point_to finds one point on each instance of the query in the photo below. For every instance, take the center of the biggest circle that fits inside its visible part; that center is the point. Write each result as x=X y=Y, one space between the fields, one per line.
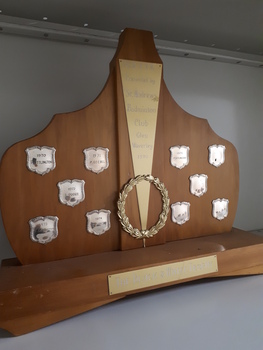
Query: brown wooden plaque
x=103 y=125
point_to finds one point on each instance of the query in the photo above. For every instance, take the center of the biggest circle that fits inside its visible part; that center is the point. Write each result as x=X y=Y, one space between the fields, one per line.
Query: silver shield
x=180 y=212
x=198 y=184
x=43 y=229
x=179 y=156
x=71 y=192
x=220 y=208
x=216 y=155
x=40 y=160
x=98 y=221
x=96 y=159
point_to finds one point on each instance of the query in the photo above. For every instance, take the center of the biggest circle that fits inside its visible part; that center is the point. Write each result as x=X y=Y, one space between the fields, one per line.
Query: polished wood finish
x=25 y=195
x=34 y=296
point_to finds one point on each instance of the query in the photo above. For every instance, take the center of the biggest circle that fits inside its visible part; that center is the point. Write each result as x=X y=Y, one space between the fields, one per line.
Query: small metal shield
x=179 y=156
x=180 y=212
x=41 y=160
x=96 y=159
x=71 y=192
x=198 y=184
x=220 y=208
x=216 y=155
x=43 y=229
x=98 y=221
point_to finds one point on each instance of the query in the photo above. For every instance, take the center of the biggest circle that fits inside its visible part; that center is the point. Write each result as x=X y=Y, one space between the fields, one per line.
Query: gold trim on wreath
x=124 y=220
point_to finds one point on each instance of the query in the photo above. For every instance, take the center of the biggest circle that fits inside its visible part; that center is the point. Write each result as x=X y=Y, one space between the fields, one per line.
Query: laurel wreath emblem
x=124 y=220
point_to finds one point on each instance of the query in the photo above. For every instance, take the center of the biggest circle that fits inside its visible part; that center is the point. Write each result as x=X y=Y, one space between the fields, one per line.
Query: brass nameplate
x=141 y=89
x=158 y=275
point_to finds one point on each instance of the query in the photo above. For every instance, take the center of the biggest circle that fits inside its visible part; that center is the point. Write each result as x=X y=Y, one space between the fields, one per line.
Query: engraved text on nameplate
x=96 y=159
x=141 y=88
x=98 y=221
x=71 y=192
x=179 y=156
x=40 y=160
x=158 y=275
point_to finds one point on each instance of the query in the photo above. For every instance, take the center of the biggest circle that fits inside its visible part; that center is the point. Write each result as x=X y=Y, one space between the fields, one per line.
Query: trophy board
x=128 y=194
x=65 y=181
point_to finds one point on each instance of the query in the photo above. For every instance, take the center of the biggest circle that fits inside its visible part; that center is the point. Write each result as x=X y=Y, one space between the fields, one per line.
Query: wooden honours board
x=81 y=200
x=59 y=189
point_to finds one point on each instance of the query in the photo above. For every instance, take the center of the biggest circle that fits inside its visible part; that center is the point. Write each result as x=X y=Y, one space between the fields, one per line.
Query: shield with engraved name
x=179 y=156
x=180 y=212
x=220 y=208
x=71 y=192
x=41 y=160
x=216 y=155
x=98 y=221
x=198 y=184
x=43 y=229
x=96 y=159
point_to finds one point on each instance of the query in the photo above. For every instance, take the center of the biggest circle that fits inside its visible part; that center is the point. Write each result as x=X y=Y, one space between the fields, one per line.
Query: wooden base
x=35 y=296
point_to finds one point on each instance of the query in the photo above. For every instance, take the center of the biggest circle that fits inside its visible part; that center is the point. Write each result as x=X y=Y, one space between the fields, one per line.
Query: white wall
x=40 y=78
x=230 y=97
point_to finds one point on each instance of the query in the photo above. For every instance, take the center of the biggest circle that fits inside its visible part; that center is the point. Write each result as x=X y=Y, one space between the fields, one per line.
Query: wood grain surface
x=26 y=195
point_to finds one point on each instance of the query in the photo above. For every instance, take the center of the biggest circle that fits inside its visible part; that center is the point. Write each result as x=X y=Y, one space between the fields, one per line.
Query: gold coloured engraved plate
x=41 y=160
x=216 y=155
x=141 y=88
x=96 y=159
x=158 y=275
x=220 y=208
x=179 y=156
x=43 y=229
x=71 y=192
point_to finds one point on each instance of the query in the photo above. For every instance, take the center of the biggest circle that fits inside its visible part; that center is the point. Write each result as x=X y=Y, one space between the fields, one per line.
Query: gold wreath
x=134 y=232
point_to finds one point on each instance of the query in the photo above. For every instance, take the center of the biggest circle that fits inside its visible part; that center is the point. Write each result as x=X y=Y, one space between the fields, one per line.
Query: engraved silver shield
x=179 y=156
x=98 y=221
x=198 y=184
x=71 y=192
x=180 y=212
x=96 y=159
x=43 y=229
x=220 y=208
x=41 y=160
x=216 y=155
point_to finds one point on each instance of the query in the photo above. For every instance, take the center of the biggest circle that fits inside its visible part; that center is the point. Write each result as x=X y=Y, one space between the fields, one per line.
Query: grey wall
x=40 y=78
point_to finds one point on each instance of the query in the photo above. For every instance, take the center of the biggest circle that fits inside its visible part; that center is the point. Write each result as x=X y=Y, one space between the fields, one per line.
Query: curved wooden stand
x=35 y=296
x=70 y=275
